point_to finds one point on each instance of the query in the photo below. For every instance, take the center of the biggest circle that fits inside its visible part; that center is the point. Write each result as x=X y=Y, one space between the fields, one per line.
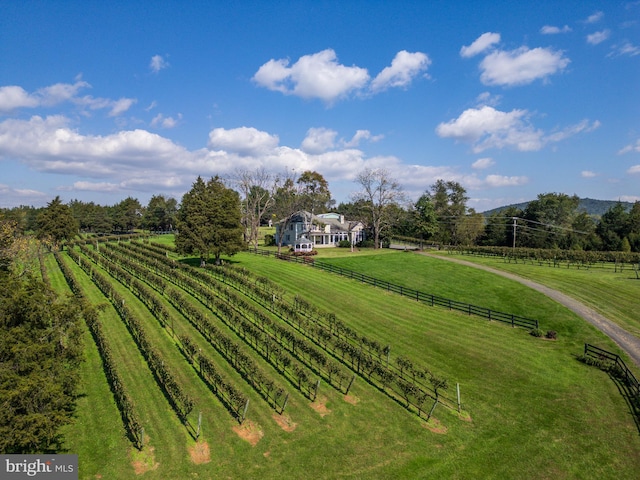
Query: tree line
x=219 y=215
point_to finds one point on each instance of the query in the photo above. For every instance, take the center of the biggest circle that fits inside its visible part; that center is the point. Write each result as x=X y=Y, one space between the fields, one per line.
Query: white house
x=306 y=231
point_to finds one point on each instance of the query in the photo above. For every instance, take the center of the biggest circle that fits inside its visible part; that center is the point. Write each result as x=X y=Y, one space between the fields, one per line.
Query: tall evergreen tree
x=209 y=220
x=40 y=351
x=56 y=223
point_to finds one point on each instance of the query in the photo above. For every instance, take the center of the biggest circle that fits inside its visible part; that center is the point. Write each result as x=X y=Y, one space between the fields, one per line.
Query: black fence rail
x=433 y=300
x=622 y=369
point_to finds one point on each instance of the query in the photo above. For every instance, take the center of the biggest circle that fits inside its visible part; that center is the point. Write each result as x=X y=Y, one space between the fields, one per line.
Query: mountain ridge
x=589 y=205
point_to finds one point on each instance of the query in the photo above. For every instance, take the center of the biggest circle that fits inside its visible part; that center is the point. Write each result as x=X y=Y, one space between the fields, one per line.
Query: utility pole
x=514 y=231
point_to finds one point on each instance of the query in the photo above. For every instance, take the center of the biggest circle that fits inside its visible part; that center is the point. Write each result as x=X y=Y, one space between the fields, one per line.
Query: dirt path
x=626 y=341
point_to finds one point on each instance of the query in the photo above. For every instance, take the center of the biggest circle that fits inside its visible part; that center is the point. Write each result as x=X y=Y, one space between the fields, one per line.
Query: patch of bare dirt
x=199 y=453
x=464 y=416
x=435 y=426
x=143 y=460
x=320 y=405
x=249 y=431
x=352 y=399
x=285 y=422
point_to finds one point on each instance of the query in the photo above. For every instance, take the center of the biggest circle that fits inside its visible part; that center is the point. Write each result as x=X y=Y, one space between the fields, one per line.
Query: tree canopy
x=40 y=350
x=56 y=223
x=209 y=220
x=379 y=192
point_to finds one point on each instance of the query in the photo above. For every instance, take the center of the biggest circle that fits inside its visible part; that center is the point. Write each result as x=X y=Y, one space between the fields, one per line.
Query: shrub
x=269 y=240
x=344 y=244
x=536 y=332
x=551 y=334
x=366 y=244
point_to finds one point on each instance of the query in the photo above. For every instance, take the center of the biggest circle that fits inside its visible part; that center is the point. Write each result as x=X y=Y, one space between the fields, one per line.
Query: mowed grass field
x=531 y=410
x=614 y=294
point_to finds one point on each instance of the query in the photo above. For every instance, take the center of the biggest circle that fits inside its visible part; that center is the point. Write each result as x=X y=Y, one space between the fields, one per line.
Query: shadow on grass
x=630 y=395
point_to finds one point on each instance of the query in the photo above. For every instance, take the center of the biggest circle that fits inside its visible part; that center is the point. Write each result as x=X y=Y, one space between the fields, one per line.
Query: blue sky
x=104 y=100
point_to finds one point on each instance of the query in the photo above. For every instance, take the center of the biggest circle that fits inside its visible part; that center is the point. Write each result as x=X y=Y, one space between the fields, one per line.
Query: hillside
x=593 y=207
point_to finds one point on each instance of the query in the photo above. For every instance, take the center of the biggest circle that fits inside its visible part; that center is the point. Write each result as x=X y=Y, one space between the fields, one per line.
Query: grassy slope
x=614 y=295
x=536 y=412
x=529 y=398
x=96 y=412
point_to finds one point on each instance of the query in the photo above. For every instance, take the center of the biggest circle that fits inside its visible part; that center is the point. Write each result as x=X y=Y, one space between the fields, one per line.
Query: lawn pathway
x=626 y=341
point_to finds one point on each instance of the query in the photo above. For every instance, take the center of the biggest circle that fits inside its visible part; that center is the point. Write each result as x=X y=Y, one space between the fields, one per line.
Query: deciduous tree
x=379 y=191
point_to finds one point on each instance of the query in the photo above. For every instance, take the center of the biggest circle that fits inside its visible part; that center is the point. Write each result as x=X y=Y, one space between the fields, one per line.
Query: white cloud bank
x=319 y=75
x=134 y=161
x=485 y=128
x=13 y=97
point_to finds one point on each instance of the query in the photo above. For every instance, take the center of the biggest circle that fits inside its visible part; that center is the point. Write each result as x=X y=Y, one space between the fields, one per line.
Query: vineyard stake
x=244 y=413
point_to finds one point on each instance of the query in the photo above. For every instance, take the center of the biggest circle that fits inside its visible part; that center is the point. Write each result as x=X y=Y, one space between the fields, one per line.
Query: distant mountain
x=593 y=207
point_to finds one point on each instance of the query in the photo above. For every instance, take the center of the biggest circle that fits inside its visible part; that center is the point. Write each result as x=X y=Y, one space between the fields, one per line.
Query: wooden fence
x=626 y=374
x=514 y=320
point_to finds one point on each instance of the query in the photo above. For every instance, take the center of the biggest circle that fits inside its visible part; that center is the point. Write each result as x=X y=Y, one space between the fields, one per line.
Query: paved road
x=626 y=341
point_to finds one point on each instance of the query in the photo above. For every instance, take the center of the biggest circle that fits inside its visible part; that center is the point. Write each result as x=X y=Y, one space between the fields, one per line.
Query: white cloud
x=313 y=76
x=120 y=106
x=504 y=181
x=483 y=163
x=486 y=98
x=598 y=37
x=629 y=198
x=521 y=66
x=158 y=63
x=19 y=196
x=626 y=49
x=634 y=170
x=404 y=68
x=486 y=128
x=319 y=75
x=583 y=126
x=588 y=174
x=594 y=18
x=362 y=135
x=245 y=141
x=552 y=30
x=13 y=97
x=50 y=145
x=165 y=122
x=634 y=147
x=96 y=186
x=482 y=43
x=319 y=140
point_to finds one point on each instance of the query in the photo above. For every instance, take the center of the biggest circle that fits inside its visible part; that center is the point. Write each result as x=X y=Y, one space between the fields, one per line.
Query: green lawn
x=535 y=411
x=616 y=295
